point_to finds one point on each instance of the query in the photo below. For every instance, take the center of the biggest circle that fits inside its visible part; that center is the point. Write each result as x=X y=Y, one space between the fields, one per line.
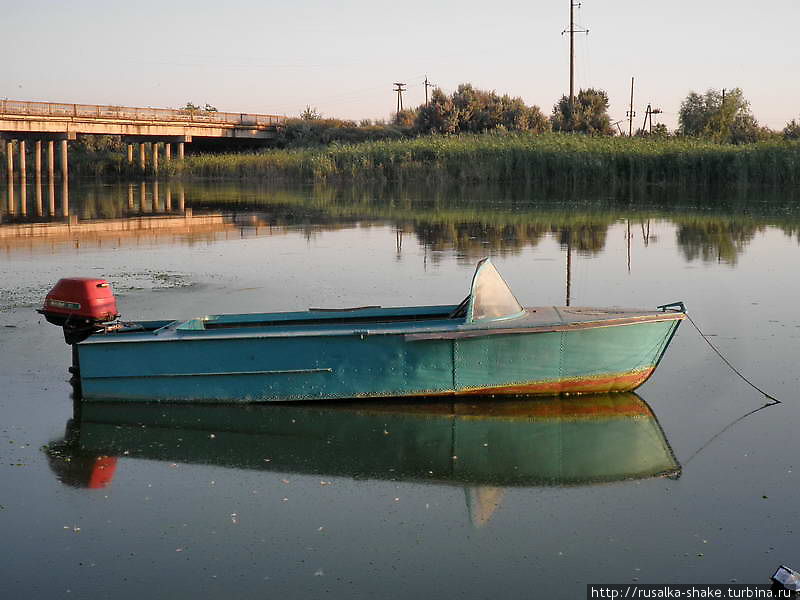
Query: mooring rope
x=727 y=362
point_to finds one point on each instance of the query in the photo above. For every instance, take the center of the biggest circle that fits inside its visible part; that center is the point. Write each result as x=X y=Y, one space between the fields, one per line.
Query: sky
x=343 y=57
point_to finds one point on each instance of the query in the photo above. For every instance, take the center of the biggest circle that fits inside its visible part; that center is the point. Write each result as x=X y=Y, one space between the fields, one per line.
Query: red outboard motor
x=81 y=305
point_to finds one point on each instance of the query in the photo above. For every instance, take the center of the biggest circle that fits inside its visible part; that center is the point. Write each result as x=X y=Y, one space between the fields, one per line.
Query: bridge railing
x=95 y=111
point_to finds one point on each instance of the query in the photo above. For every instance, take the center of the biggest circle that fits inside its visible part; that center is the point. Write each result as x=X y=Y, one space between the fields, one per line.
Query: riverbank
x=558 y=163
x=573 y=161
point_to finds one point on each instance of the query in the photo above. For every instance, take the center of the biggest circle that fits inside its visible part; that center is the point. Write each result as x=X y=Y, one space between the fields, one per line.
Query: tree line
x=723 y=117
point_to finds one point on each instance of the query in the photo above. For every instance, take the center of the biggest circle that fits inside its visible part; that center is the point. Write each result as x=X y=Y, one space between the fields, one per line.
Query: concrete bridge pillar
x=37 y=159
x=22 y=167
x=155 y=156
x=167 y=151
x=10 y=176
x=64 y=178
x=64 y=160
x=51 y=160
x=51 y=196
x=10 y=160
x=142 y=160
x=23 y=196
x=130 y=154
x=37 y=172
x=38 y=189
x=180 y=150
x=156 y=201
x=65 y=196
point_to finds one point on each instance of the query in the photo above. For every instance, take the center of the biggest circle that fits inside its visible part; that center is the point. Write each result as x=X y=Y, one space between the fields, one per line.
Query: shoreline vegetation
x=550 y=160
x=479 y=136
x=564 y=160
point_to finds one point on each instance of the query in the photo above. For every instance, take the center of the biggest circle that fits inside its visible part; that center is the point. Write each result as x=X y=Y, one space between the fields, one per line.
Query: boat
x=487 y=344
x=471 y=442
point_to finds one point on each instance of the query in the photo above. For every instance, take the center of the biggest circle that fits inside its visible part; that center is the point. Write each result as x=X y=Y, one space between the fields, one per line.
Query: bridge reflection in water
x=482 y=446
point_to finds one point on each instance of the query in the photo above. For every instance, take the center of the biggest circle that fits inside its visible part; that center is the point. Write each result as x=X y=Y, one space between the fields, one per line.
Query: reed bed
x=566 y=160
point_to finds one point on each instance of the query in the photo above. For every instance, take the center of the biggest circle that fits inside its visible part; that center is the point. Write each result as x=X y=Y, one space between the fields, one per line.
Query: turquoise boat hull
x=401 y=358
x=487 y=344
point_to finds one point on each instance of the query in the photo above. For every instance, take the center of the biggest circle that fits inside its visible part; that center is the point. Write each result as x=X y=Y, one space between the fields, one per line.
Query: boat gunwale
x=458 y=330
x=597 y=324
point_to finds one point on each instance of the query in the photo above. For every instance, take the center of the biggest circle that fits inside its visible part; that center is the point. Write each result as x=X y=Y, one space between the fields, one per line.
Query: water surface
x=677 y=483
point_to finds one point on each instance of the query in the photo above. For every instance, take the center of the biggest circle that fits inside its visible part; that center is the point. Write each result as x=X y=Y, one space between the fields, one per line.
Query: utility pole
x=648 y=115
x=572 y=31
x=427 y=85
x=653 y=111
x=631 y=113
x=399 y=88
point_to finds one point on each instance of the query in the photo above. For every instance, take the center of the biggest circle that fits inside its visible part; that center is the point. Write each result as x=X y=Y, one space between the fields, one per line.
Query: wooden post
x=631 y=114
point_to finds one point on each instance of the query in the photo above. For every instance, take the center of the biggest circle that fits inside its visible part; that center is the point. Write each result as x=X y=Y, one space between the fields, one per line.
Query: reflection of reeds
x=573 y=161
x=472 y=219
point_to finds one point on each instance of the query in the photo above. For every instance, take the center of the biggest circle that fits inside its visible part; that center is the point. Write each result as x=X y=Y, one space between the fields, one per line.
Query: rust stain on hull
x=596 y=384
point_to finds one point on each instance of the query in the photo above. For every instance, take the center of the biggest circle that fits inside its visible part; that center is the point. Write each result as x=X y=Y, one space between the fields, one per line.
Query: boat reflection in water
x=483 y=445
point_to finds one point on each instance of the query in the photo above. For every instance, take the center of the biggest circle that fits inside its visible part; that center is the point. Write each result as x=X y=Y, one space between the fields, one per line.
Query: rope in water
x=727 y=362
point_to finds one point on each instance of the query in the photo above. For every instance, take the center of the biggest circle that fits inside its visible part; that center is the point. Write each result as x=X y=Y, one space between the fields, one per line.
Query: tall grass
x=573 y=161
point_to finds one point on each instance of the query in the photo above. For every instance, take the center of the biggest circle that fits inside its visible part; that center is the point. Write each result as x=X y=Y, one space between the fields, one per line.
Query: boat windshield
x=490 y=296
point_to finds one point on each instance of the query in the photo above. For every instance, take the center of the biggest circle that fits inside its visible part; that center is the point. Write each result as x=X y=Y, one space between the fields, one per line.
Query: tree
x=405 y=118
x=589 y=114
x=516 y=116
x=473 y=110
x=722 y=120
x=192 y=107
x=438 y=116
x=792 y=130
x=310 y=114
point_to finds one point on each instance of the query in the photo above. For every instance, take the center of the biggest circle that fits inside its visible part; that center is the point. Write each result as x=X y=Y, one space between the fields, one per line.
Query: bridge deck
x=23 y=117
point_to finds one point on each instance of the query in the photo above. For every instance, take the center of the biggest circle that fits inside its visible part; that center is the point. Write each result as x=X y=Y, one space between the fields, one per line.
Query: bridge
x=50 y=122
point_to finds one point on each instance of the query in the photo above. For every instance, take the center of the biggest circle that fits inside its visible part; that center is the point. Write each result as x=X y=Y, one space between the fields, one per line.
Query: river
x=684 y=481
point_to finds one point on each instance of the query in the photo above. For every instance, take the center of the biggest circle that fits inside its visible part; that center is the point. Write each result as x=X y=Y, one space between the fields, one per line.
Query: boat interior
x=490 y=300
